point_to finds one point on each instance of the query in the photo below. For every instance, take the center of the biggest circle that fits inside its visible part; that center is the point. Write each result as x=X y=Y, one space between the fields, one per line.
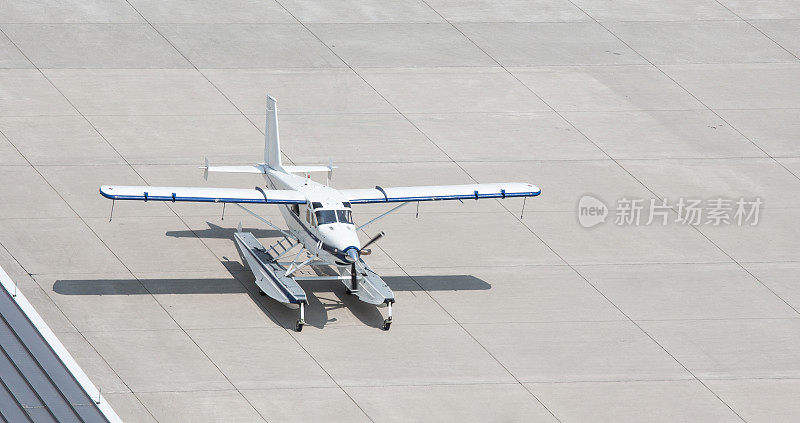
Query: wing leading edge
x=440 y=192
x=203 y=195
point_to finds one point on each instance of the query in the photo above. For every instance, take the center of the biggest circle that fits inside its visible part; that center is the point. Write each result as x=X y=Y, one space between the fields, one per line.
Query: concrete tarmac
x=499 y=317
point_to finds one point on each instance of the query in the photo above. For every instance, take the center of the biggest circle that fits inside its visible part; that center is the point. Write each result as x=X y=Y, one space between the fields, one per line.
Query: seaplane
x=319 y=220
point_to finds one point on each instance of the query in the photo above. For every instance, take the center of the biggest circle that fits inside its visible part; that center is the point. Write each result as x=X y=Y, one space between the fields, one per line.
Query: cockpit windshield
x=345 y=216
x=325 y=217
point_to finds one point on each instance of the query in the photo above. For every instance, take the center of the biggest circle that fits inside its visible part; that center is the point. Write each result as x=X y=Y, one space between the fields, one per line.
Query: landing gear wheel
x=262 y=293
x=387 y=323
x=298 y=326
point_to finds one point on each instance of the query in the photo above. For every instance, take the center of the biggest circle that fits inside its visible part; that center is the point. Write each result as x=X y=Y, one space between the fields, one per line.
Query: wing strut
x=383 y=215
x=287 y=234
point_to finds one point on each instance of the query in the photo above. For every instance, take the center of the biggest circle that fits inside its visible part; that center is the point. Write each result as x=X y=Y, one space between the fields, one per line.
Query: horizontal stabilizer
x=235 y=169
x=203 y=195
x=308 y=169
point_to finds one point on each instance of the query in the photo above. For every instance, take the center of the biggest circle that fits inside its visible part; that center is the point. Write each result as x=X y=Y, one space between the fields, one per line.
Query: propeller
x=353 y=277
x=375 y=238
x=354 y=257
x=205 y=168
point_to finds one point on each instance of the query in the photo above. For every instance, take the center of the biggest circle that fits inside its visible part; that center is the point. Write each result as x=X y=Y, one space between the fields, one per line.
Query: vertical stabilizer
x=272 y=144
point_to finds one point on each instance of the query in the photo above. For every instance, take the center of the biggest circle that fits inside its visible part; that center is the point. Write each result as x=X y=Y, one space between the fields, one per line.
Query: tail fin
x=272 y=144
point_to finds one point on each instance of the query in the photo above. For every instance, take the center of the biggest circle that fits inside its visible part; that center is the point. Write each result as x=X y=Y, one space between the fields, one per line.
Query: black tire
x=298 y=327
x=387 y=324
x=262 y=293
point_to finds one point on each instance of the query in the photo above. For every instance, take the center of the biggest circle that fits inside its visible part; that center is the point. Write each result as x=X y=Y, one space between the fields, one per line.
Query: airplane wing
x=440 y=192
x=208 y=195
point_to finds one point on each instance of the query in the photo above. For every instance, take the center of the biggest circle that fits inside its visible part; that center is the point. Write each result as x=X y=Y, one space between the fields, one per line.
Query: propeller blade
x=375 y=238
x=353 y=277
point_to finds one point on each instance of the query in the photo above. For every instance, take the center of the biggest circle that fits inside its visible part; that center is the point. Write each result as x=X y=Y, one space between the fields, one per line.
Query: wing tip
x=105 y=191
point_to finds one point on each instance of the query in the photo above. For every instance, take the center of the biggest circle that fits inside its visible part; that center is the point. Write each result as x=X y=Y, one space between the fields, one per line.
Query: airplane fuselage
x=324 y=224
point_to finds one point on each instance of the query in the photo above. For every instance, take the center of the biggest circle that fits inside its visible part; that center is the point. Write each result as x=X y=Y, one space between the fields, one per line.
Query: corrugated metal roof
x=35 y=384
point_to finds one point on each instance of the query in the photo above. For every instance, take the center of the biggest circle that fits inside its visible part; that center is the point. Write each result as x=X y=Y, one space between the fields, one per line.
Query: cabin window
x=296 y=209
x=325 y=217
x=346 y=204
x=345 y=216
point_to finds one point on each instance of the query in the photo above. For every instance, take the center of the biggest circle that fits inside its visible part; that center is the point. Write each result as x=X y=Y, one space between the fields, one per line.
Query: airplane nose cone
x=353 y=255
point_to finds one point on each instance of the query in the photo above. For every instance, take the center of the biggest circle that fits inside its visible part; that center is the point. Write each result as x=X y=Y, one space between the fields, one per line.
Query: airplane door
x=310 y=220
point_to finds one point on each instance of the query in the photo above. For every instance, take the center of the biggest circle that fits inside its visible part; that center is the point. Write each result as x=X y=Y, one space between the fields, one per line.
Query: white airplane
x=319 y=220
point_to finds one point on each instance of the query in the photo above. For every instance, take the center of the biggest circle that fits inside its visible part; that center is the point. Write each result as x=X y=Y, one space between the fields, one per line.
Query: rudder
x=272 y=144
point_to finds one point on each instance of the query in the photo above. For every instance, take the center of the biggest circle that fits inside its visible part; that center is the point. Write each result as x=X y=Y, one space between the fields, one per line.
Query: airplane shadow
x=323 y=296
x=216 y=231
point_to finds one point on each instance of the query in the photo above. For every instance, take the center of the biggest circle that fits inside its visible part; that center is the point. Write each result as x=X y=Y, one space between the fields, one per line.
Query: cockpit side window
x=325 y=216
x=345 y=216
